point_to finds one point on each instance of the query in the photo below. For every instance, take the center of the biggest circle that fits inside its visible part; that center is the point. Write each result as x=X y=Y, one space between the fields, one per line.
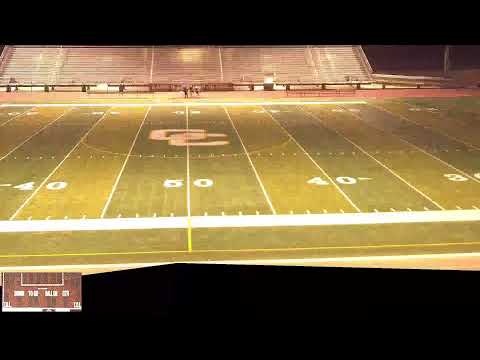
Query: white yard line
x=378 y=162
x=56 y=168
x=427 y=153
x=34 y=134
x=251 y=163
x=188 y=163
x=428 y=127
x=114 y=187
x=16 y=116
x=239 y=221
x=182 y=104
x=315 y=163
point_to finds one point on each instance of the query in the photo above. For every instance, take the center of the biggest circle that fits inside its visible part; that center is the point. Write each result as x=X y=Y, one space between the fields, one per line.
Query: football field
x=144 y=182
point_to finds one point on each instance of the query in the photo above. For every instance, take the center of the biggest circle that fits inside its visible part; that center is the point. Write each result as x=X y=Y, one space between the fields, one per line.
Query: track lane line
x=314 y=162
x=35 y=192
x=117 y=180
x=251 y=163
x=378 y=162
x=189 y=220
x=259 y=250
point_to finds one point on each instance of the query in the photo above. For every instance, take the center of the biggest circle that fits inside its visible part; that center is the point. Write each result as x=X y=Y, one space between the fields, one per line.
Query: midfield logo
x=192 y=137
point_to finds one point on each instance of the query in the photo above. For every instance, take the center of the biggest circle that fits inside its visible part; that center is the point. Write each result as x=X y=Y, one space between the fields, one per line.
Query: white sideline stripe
x=251 y=163
x=353 y=102
x=56 y=168
x=375 y=159
x=34 y=134
x=315 y=163
x=259 y=261
x=110 y=197
x=188 y=162
x=243 y=221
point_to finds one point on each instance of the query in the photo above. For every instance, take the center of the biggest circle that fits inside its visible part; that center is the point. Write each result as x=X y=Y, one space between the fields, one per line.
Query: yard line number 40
x=29 y=186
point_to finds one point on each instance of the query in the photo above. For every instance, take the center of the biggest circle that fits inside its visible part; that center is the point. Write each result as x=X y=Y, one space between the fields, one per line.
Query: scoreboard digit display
x=41 y=292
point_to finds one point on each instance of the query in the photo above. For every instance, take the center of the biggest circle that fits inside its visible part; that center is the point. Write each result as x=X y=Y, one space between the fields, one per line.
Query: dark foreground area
x=238 y=294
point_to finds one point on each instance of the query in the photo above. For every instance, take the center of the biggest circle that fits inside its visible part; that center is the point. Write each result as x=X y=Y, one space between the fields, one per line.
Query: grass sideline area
x=166 y=161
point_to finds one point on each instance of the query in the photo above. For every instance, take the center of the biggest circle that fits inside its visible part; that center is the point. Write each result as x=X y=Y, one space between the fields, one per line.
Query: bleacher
x=29 y=65
x=186 y=64
x=339 y=63
x=104 y=65
x=144 y=65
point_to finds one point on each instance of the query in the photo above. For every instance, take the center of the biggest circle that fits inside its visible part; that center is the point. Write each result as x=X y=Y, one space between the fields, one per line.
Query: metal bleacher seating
x=202 y=64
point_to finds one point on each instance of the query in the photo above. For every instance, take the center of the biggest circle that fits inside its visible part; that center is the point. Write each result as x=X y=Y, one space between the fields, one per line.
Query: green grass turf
x=286 y=147
x=384 y=137
x=224 y=244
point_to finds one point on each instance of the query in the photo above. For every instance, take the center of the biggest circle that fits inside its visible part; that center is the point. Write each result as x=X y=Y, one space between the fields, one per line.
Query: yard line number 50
x=202 y=183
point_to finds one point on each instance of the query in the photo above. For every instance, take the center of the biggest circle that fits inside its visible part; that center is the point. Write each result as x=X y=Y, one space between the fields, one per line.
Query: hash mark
x=426 y=208
x=408 y=209
x=392 y=209
x=476 y=208
x=458 y=207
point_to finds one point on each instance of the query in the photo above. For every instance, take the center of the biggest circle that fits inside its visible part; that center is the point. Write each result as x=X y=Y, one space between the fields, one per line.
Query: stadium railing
x=319 y=93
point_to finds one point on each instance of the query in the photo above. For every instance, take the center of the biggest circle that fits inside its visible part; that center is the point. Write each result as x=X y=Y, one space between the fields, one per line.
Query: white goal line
x=239 y=221
x=183 y=104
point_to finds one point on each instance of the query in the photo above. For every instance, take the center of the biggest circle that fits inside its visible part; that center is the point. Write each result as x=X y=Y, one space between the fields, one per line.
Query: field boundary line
x=117 y=180
x=35 y=192
x=133 y=265
x=247 y=103
x=251 y=163
x=34 y=134
x=422 y=150
x=259 y=250
x=377 y=161
x=315 y=163
x=16 y=116
x=189 y=221
x=431 y=128
x=238 y=221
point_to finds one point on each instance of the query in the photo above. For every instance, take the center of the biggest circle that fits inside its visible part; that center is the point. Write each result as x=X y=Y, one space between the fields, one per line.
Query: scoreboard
x=41 y=292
